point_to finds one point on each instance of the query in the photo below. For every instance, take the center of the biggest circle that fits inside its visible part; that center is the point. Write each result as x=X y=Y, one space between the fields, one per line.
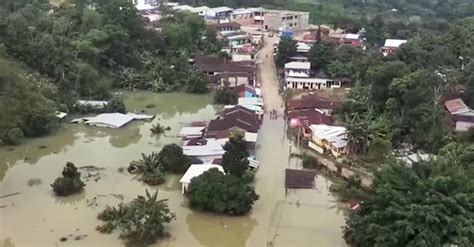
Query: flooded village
x=231 y=125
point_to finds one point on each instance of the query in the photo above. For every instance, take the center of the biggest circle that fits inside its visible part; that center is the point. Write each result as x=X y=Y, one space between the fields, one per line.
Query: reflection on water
x=35 y=217
x=71 y=200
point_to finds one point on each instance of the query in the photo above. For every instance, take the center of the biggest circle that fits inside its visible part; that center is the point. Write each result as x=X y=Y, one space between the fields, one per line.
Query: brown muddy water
x=35 y=217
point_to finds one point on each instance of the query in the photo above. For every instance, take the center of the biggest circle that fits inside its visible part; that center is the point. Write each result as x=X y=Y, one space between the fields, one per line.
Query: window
x=296 y=17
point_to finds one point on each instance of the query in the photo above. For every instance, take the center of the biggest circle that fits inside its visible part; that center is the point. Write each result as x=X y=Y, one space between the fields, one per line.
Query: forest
x=85 y=49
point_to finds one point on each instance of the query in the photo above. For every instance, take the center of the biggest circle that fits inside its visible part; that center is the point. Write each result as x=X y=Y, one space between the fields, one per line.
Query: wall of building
x=463 y=126
x=243 y=19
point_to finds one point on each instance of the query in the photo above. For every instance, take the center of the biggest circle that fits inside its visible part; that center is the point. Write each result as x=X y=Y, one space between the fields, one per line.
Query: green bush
x=70 y=183
x=224 y=194
x=116 y=105
x=13 y=136
x=172 y=159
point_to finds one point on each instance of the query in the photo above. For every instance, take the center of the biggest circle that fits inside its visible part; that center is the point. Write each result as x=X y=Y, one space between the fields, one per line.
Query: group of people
x=273 y=114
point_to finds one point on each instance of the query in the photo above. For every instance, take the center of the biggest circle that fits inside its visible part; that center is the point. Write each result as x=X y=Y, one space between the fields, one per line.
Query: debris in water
x=80 y=237
x=222 y=223
x=42 y=146
x=10 y=149
x=34 y=182
x=92 y=203
x=63 y=239
x=121 y=169
x=12 y=194
x=91 y=168
x=148 y=106
x=90 y=175
x=3 y=206
x=118 y=196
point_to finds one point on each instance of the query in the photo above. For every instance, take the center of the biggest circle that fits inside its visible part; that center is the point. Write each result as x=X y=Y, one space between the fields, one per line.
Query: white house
x=195 y=171
x=392 y=45
x=297 y=69
x=201 y=11
x=219 y=13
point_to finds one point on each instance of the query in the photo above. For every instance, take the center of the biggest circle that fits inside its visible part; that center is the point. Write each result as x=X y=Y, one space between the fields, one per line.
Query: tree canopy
x=429 y=204
x=225 y=194
x=235 y=159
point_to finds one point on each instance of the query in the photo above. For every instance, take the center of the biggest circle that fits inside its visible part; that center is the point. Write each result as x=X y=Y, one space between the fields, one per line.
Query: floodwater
x=35 y=217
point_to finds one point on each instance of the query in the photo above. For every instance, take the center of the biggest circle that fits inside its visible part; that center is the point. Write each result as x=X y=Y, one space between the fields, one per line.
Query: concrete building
x=219 y=13
x=273 y=20
x=282 y=20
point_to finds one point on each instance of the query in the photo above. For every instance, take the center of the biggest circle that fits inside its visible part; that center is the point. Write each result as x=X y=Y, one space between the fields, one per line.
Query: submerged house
x=235 y=119
x=195 y=171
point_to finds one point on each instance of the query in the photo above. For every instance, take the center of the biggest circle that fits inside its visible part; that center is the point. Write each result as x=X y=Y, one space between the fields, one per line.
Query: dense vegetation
x=141 y=222
x=70 y=183
x=231 y=193
x=84 y=49
x=427 y=205
x=400 y=98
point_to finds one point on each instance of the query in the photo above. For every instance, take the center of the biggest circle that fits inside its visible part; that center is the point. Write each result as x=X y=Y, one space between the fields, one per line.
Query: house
x=237 y=118
x=352 y=39
x=201 y=11
x=247 y=91
x=219 y=13
x=297 y=69
x=226 y=26
x=150 y=15
x=317 y=81
x=238 y=39
x=207 y=150
x=303 y=48
x=303 y=119
x=329 y=138
x=461 y=115
x=392 y=45
x=191 y=132
x=313 y=101
x=226 y=73
x=299 y=59
x=411 y=158
x=195 y=171
x=244 y=16
x=112 y=120
x=277 y=20
x=272 y=20
x=182 y=8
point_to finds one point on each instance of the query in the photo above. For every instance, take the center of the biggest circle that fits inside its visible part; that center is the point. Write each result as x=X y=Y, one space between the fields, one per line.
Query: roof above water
x=196 y=170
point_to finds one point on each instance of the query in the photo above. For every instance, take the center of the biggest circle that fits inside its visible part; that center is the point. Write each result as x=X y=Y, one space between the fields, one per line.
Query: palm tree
x=148 y=169
x=360 y=132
